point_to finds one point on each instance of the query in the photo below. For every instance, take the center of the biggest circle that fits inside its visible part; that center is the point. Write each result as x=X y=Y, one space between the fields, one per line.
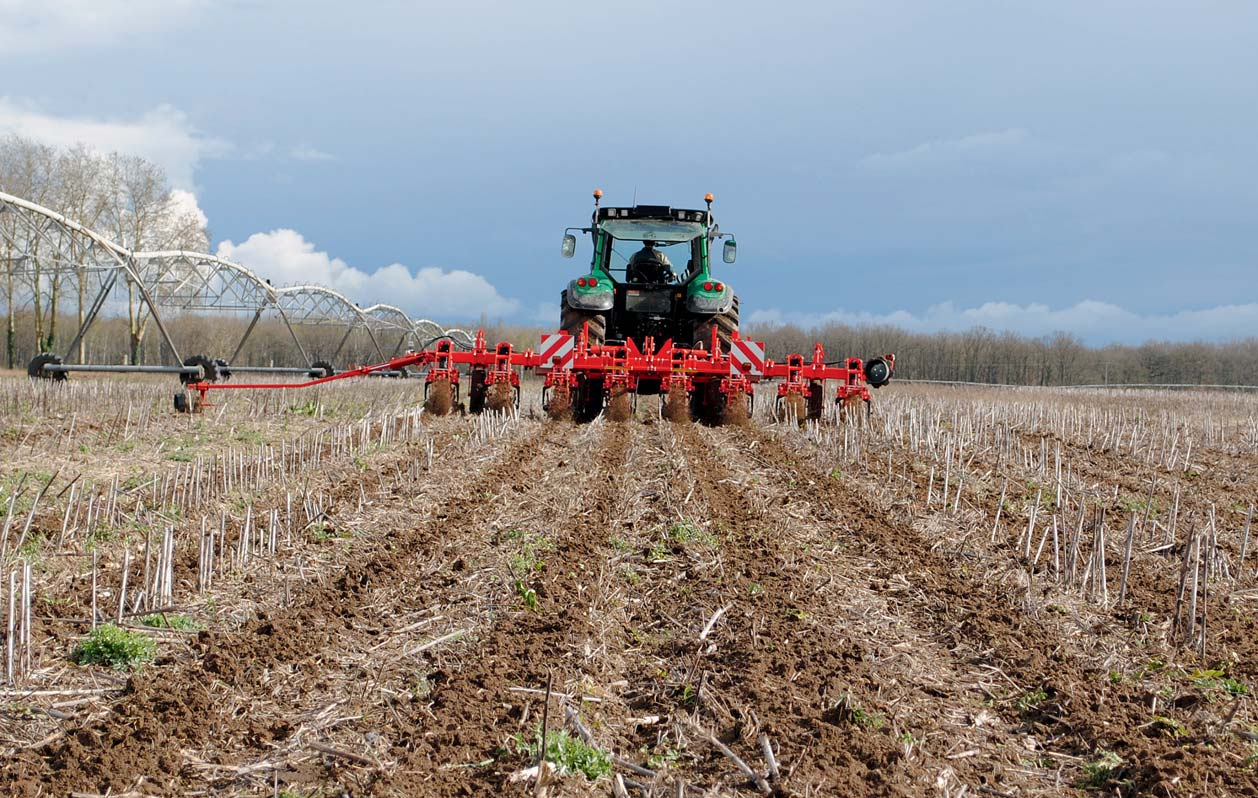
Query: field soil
x=399 y=604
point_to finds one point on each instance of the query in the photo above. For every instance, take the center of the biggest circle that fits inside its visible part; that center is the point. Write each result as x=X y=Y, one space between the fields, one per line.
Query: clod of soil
x=677 y=406
x=794 y=408
x=735 y=413
x=439 y=400
x=501 y=397
x=559 y=408
x=620 y=407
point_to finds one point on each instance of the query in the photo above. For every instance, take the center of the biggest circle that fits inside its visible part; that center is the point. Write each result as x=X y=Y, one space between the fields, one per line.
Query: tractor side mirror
x=729 y=253
x=569 y=245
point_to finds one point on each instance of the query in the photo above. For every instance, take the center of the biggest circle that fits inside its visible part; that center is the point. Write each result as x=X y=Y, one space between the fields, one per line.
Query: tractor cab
x=650 y=275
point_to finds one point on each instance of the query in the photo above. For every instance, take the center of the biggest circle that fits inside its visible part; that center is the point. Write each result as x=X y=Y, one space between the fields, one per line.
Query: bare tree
x=78 y=174
x=139 y=212
x=26 y=171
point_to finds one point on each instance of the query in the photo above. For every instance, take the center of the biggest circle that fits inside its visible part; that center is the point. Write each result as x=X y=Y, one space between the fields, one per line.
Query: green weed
x=308 y=408
x=685 y=532
x=115 y=648
x=1176 y=728
x=1030 y=702
x=527 y=594
x=567 y=753
x=662 y=760
x=1102 y=771
x=161 y=620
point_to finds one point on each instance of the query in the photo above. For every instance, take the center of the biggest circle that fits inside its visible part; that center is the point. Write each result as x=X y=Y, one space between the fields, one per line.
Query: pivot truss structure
x=42 y=253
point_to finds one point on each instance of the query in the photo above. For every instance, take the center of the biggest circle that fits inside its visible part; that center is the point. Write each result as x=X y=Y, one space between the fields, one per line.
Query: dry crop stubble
x=179 y=703
x=1081 y=710
x=936 y=651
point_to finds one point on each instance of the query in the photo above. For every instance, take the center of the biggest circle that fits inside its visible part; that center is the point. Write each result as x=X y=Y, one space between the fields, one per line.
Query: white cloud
x=304 y=152
x=162 y=135
x=40 y=26
x=285 y=257
x=1093 y=321
x=978 y=145
x=185 y=203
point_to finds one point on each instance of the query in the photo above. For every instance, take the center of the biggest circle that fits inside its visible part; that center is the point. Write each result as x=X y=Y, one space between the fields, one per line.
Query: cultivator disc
x=710 y=383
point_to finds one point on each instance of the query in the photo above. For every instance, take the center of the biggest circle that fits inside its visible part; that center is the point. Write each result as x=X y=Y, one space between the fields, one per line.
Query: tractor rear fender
x=582 y=296
x=699 y=300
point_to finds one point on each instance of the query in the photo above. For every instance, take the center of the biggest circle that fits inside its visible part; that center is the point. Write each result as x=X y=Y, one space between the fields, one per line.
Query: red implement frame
x=627 y=367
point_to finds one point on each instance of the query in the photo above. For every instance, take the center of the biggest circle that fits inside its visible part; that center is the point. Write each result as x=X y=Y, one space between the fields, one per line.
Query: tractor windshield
x=676 y=240
x=662 y=230
x=681 y=256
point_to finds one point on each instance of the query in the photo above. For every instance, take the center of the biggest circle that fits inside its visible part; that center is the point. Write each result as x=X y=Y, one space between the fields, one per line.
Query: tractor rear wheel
x=726 y=325
x=573 y=320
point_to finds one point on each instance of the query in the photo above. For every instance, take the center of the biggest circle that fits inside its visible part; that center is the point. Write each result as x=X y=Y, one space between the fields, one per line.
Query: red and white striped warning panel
x=557 y=350
x=748 y=358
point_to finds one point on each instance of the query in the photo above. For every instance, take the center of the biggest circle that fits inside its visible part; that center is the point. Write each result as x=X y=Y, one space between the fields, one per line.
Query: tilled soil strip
x=1084 y=712
x=933 y=698
x=810 y=688
x=167 y=711
x=459 y=741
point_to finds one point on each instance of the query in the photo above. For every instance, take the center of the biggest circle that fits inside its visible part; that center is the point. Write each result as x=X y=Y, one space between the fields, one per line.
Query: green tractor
x=651 y=275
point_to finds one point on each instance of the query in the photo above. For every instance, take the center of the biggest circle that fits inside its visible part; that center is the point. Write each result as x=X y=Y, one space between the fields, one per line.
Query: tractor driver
x=649 y=265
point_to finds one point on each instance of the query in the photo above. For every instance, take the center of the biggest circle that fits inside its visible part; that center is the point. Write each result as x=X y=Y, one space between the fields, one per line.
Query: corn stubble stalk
x=945 y=436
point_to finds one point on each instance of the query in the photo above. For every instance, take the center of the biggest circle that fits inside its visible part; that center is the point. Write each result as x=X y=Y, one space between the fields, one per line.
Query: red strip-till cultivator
x=582 y=379
x=606 y=354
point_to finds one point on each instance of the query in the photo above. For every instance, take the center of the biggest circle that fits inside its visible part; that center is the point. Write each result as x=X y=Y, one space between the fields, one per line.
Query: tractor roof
x=653 y=212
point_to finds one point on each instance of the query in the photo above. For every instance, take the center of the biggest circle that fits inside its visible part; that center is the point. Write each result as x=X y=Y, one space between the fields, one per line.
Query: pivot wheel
x=572 y=320
x=726 y=325
x=320 y=369
x=209 y=370
x=38 y=367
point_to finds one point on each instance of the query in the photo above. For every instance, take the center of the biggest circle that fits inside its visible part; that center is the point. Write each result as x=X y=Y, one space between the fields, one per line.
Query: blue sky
x=1031 y=166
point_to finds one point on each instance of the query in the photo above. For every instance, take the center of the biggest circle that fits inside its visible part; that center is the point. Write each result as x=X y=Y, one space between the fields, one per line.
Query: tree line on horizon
x=1007 y=358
